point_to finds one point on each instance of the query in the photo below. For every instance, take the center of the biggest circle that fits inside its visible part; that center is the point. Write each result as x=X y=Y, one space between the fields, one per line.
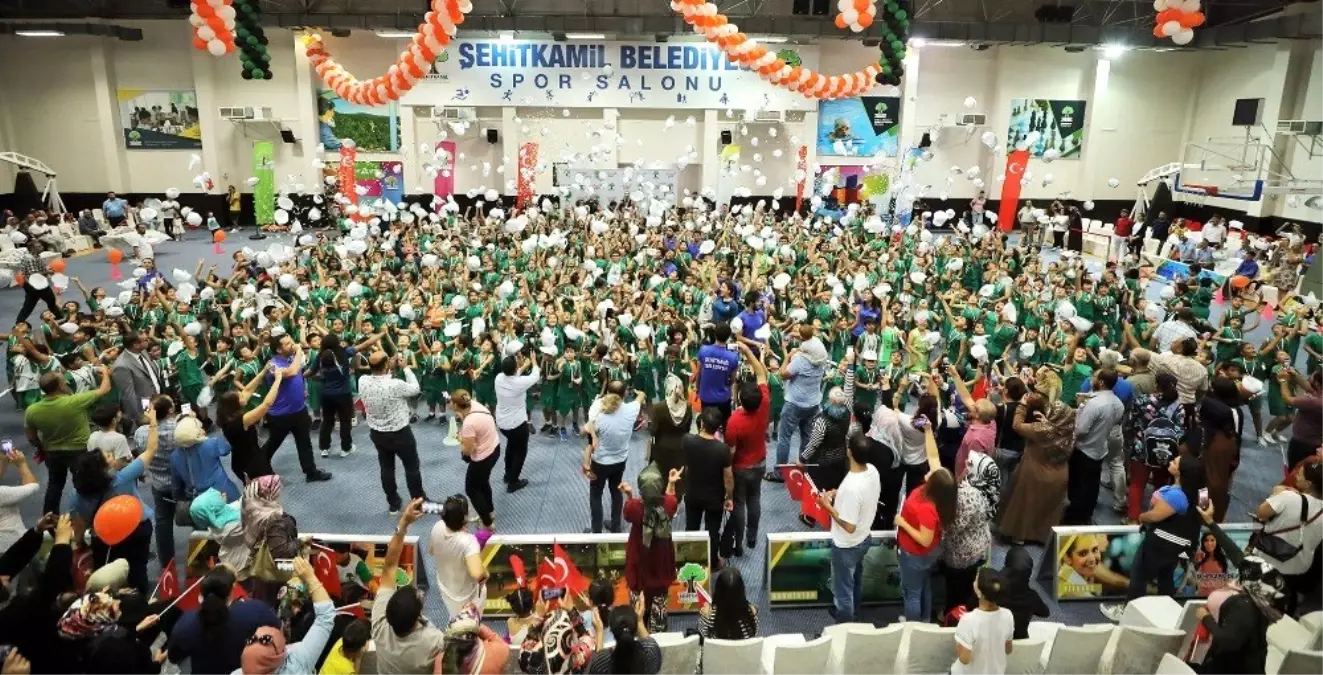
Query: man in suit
x=136 y=378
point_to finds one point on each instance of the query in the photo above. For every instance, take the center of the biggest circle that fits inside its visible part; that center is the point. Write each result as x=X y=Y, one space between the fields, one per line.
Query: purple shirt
x=978 y=438
x=290 y=400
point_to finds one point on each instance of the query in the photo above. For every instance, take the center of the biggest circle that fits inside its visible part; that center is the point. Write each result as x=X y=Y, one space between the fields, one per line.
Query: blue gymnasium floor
x=556 y=501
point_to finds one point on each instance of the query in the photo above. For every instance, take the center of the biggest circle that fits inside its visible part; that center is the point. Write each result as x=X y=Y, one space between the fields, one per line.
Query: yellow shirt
x=337 y=664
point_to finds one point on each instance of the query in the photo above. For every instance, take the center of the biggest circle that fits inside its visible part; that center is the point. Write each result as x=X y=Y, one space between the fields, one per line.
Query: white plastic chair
x=1157 y=611
x=871 y=650
x=1026 y=658
x=732 y=657
x=1300 y=662
x=837 y=633
x=680 y=657
x=1139 y=649
x=1313 y=622
x=1187 y=623
x=1173 y=665
x=927 y=649
x=809 y=657
x=1076 y=650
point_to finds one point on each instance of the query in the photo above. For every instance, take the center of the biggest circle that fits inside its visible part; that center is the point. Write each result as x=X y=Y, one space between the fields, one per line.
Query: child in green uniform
x=188 y=369
x=434 y=381
x=1073 y=376
x=867 y=381
x=485 y=367
x=569 y=394
x=777 y=388
x=1282 y=414
x=313 y=377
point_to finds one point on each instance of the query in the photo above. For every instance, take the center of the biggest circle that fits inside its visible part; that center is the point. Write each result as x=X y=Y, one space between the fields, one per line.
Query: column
x=304 y=124
x=1100 y=110
x=510 y=140
x=107 y=109
x=204 y=83
x=710 y=154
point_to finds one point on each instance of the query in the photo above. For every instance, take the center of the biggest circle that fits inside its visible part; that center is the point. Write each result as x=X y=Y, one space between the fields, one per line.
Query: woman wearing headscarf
x=1019 y=595
x=195 y=465
x=649 y=553
x=968 y=539
x=265 y=652
x=1038 y=489
x=668 y=423
x=224 y=526
x=264 y=520
x=830 y=431
x=471 y=648
x=1237 y=615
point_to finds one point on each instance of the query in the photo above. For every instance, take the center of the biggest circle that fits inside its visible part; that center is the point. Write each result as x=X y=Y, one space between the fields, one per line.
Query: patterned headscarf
x=983 y=474
x=1263 y=583
x=260 y=507
x=652 y=489
x=676 y=402
x=89 y=616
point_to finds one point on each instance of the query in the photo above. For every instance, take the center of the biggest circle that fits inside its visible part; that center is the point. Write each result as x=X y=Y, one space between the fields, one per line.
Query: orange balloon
x=1199 y=19
x=205 y=10
x=116 y=520
x=219 y=236
x=865 y=20
x=1239 y=281
x=19 y=279
x=861 y=6
x=199 y=43
x=840 y=22
x=57 y=266
x=1157 y=32
x=115 y=256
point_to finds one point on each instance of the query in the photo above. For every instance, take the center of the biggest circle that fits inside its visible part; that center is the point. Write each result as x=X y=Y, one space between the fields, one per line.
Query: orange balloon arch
x=439 y=25
x=744 y=50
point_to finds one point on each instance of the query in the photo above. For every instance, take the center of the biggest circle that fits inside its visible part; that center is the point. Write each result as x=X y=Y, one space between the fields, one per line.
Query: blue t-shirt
x=1123 y=390
x=716 y=363
x=125 y=482
x=1175 y=498
x=724 y=310
x=219 y=653
x=335 y=380
x=751 y=322
x=291 y=398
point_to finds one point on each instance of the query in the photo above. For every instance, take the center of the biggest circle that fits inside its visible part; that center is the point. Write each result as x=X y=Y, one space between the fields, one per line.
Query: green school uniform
x=1073 y=378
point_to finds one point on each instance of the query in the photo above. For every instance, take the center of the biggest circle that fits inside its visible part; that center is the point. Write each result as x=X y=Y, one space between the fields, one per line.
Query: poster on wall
x=1094 y=563
x=160 y=120
x=799 y=570
x=374 y=181
x=1042 y=124
x=593 y=74
x=372 y=128
x=867 y=126
x=598 y=557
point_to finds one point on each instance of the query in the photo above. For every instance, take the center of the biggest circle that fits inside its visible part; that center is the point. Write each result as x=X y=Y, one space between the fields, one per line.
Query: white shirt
x=985 y=634
x=386 y=400
x=112 y=442
x=1287 y=506
x=450 y=551
x=11 y=520
x=1214 y=233
x=856 y=503
x=512 y=398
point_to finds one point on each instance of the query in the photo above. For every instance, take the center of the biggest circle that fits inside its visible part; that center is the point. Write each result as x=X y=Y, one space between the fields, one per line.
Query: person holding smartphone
x=12 y=496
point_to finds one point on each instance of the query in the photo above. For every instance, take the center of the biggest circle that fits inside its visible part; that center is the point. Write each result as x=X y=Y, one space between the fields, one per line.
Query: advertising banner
x=371 y=128
x=598 y=557
x=367 y=181
x=1094 y=563
x=160 y=120
x=591 y=74
x=1042 y=124
x=1016 y=162
x=799 y=569
x=264 y=191
x=868 y=126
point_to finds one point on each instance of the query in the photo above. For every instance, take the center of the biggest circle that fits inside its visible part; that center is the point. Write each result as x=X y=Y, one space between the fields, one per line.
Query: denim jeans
x=163 y=504
x=793 y=417
x=847 y=574
x=916 y=586
x=742 y=527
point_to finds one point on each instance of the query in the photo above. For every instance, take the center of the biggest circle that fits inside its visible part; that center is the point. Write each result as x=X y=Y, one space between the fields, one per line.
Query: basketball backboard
x=1230 y=168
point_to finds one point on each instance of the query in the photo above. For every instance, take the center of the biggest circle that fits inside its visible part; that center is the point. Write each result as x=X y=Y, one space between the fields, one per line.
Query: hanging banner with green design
x=264 y=192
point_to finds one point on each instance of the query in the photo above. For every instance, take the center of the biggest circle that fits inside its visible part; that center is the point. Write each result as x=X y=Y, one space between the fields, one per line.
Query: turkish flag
x=167 y=587
x=193 y=597
x=809 y=506
x=520 y=574
x=703 y=598
x=324 y=565
x=575 y=580
x=794 y=477
x=82 y=567
x=980 y=389
x=1016 y=163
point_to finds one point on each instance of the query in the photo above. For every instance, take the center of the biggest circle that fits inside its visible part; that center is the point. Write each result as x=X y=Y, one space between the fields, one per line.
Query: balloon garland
x=744 y=50
x=1177 y=19
x=213 y=26
x=253 y=54
x=895 y=36
x=855 y=14
x=439 y=25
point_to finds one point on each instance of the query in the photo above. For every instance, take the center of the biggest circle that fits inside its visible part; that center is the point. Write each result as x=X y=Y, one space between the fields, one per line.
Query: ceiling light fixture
x=395 y=34
x=586 y=36
x=1110 y=52
x=771 y=39
x=506 y=36
x=39 y=33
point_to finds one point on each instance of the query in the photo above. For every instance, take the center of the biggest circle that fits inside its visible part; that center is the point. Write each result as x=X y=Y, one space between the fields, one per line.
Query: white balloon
x=1113 y=182
x=216 y=48
x=971 y=102
x=282 y=216
x=1183 y=37
x=194 y=219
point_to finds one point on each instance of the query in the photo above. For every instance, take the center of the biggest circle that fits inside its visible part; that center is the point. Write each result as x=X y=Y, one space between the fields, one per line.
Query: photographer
x=512 y=385
x=387 y=402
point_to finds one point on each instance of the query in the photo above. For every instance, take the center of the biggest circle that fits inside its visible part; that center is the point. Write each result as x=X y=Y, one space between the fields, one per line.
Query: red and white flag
x=794 y=478
x=167 y=587
x=323 y=563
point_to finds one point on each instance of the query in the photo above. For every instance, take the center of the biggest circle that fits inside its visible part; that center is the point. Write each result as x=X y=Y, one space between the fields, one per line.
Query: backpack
x=1162 y=438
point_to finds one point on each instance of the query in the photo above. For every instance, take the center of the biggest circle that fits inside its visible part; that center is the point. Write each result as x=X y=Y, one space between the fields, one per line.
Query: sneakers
x=1268 y=438
x=773 y=477
x=1113 y=611
x=326 y=452
x=353 y=421
x=350 y=451
x=517 y=485
x=318 y=476
x=564 y=434
x=430 y=417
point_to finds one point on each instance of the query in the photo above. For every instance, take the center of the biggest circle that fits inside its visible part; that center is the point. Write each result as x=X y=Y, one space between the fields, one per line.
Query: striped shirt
x=158 y=472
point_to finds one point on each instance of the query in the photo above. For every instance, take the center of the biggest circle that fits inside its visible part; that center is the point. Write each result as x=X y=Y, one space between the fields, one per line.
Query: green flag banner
x=264 y=192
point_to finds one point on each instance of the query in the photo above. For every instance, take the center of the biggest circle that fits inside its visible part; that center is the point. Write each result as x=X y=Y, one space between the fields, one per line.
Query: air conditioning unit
x=233 y=113
x=1299 y=128
x=449 y=114
x=765 y=116
x=972 y=120
x=261 y=114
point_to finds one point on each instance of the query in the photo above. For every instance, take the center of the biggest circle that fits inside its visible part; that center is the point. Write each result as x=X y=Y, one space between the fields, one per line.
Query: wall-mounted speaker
x=287 y=136
x=926 y=140
x=1247 y=112
x=492 y=136
x=726 y=137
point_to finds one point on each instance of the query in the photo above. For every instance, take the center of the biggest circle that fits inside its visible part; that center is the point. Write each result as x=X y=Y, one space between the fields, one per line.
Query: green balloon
x=898 y=45
x=892 y=7
x=257 y=74
x=252 y=40
x=900 y=54
x=900 y=14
